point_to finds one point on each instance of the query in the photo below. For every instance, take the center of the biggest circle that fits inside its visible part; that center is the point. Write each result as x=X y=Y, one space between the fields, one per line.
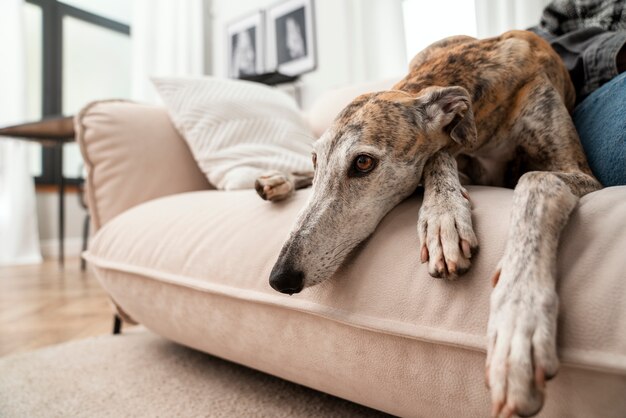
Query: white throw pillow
x=237 y=130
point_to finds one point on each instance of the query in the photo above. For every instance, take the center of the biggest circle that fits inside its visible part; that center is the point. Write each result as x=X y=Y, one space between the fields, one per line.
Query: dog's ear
x=449 y=110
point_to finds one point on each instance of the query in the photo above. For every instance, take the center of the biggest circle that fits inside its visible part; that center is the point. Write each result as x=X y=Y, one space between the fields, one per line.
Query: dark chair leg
x=61 y=184
x=117 y=324
x=83 y=262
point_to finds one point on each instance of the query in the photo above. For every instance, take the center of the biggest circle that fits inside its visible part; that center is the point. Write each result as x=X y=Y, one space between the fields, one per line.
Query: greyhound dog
x=496 y=110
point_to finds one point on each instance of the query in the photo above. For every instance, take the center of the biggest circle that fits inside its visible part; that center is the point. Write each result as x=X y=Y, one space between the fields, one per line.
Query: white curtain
x=167 y=40
x=496 y=16
x=376 y=29
x=19 y=237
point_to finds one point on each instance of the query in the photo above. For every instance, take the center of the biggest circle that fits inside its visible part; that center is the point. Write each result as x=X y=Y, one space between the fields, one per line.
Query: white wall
x=47 y=216
x=357 y=40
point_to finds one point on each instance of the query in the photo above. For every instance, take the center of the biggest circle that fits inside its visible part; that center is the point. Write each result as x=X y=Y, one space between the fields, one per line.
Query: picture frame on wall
x=290 y=37
x=246 y=46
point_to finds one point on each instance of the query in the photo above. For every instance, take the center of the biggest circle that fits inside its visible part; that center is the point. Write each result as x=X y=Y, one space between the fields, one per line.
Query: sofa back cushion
x=329 y=104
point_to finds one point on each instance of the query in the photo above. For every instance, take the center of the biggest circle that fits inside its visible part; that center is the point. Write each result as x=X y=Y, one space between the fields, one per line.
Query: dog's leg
x=444 y=225
x=275 y=185
x=524 y=304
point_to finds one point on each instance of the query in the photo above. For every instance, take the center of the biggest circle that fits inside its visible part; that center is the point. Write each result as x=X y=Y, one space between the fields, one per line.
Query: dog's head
x=367 y=162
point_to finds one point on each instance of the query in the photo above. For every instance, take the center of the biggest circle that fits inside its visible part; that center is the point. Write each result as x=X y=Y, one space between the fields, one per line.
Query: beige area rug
x=139 y=374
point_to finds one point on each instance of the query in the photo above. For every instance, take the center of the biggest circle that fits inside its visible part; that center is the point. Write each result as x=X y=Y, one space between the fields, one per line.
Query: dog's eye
x=314 y=158
x=362 y=164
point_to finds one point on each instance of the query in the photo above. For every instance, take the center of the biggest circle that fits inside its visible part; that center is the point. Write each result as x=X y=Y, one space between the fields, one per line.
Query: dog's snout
x=286 y=280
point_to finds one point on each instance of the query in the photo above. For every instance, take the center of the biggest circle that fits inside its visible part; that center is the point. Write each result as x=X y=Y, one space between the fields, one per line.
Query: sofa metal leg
x=117 y=324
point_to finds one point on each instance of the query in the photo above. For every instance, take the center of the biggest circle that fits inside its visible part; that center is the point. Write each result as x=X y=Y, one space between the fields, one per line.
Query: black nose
x=286 y=280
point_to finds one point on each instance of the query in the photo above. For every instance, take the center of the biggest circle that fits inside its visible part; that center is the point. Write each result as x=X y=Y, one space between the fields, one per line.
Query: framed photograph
x=290 y=28
x=246 y=42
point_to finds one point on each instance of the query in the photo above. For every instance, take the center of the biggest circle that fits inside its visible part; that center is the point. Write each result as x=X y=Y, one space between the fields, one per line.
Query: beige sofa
x=192 y=265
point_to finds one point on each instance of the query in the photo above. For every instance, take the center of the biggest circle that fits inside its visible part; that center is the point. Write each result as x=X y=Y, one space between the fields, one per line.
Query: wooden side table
x=53 y=133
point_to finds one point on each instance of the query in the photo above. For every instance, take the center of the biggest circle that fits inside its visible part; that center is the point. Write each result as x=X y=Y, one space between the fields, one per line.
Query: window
x=426 y=22
x=77 y=51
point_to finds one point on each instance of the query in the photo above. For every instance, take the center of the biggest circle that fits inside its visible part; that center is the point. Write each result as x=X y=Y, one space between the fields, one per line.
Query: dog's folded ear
x=449 y=110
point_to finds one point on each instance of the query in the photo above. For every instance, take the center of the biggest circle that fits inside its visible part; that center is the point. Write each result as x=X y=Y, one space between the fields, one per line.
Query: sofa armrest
x=132 y=154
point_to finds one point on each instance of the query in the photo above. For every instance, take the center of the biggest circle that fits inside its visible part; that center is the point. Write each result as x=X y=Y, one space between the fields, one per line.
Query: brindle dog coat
x=496 y=110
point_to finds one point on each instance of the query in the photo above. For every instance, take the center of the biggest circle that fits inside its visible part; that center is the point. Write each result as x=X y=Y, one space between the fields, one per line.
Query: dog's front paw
x=274 y=186
x=446 y=235
x=521 y=350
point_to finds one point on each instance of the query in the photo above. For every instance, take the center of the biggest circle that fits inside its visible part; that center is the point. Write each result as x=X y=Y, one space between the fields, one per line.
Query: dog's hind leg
x=275 y=185
x=521 y=350
x=524 y=304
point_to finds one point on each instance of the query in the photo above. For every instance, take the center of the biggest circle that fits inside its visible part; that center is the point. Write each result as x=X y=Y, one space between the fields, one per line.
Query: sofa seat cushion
x=182 y=264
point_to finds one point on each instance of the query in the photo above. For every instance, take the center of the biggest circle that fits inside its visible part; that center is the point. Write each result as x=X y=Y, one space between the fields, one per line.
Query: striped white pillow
x=237 y=130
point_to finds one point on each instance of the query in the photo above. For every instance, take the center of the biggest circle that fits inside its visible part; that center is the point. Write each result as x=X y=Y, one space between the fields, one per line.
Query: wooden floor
x=43 y=304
